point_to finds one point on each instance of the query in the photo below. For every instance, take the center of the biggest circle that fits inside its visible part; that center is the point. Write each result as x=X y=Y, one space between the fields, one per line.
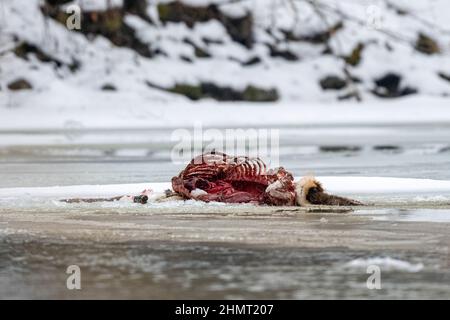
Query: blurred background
x=91 y=91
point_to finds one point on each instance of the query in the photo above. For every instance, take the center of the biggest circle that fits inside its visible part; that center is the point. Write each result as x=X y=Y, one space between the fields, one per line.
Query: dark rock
x=180 y=12
x=190 y=91
x=216 y=92
x=386 y=148
x=391 y=82
x=75 y=65
x=388 y=86
x=108 y=87
x=285 y=54
x=219 y=93
x=354 y=94
x=209 y=41
x=108 y=23
x=199 y=52
x=427 y=45
x=239 y=29
x=57 y=2
x=251 y=61
x=160 y=52
x=356 y=79
x=340 y=148
x=320 y=37
x=186 y=58
x=328 y=51
x=137 y=7
x=252 y=93
x=24 y=49
x=19 y=84
x=444 y=76
x=408 y=91
x=333 y=83
x=355 y=57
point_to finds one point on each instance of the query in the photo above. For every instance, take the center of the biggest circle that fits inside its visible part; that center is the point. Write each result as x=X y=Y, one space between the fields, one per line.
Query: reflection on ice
x=417 y=215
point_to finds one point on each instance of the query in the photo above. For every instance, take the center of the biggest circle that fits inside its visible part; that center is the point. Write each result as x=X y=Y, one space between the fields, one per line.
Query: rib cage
x=234 y=179
x=222 y=166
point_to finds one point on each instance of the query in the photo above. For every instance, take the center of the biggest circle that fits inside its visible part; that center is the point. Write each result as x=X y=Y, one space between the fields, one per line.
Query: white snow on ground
x=385 y=264
x=83 y=191
x=384 y=185
x=128 y=112
x=59 y=95
x=338 y=185
x=368 y=189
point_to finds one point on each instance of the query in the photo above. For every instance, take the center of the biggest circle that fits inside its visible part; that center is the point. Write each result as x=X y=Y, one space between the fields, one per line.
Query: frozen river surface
x=195 y=251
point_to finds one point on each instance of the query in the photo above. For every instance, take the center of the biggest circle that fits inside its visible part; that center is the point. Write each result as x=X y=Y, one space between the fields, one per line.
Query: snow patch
x=337 y=185
x=198 y=193
x=384 y=185
x=102 y=62
x=385 y=264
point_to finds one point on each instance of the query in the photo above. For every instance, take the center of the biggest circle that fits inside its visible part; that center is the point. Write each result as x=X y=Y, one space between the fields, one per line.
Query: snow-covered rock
x=152 y=63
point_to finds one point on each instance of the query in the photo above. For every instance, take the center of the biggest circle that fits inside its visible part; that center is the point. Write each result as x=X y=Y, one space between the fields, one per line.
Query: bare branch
x=348 y=78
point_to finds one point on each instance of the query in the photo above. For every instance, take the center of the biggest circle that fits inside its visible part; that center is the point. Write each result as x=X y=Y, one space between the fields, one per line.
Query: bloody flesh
x=219 y=177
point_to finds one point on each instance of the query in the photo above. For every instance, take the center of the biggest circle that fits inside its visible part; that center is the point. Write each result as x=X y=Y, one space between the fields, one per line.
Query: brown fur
x=80 y=200
x=309 y=191
x=142 y=199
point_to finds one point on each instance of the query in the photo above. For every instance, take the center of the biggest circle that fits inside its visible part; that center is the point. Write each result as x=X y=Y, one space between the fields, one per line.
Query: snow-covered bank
x=347 y=185
x=87 y=75
x=124 y=111
x=108 y=87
